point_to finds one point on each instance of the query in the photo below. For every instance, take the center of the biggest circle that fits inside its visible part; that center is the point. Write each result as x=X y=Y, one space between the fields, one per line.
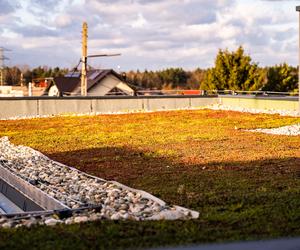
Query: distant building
x=19 y=91
x=42 y=82
x=10 y=91
x=100 y=83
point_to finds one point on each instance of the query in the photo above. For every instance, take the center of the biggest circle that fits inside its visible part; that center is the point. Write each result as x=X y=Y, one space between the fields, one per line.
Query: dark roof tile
x=67 y=84
x=70 y=84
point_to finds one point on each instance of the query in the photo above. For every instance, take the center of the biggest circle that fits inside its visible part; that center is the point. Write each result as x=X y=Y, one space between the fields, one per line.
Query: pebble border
x=78 y=190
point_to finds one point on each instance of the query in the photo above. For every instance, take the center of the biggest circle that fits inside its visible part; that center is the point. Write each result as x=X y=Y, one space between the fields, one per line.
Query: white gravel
x=254 y=111
x=291 y=130
x=76 y=189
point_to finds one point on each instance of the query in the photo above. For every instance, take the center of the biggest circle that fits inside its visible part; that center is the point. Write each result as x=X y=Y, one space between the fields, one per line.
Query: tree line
x=22 y=75
x=232 y=70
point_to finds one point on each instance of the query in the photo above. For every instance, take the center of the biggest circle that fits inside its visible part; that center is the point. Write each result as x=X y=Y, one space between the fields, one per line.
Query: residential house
x=99 y=83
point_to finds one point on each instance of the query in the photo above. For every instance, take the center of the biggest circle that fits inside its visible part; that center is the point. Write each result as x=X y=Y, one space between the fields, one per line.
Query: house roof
x=95 y=76
x=71 y=82
x=66 y=84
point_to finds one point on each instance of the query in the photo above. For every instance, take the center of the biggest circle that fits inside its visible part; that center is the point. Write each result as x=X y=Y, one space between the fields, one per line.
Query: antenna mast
x=84 y=60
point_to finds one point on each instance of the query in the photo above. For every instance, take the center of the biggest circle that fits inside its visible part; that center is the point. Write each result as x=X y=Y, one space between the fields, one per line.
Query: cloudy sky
x=152 y=34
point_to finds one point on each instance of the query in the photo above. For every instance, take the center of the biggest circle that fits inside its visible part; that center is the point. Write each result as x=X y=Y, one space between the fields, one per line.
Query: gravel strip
x=292 y=130
x=254 y=111
x=78 y=190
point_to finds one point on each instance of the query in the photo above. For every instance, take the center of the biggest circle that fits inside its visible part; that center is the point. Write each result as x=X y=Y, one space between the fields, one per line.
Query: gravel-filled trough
x=80 y=197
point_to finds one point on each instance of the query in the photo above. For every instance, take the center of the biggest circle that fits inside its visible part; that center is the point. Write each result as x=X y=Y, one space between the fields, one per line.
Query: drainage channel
x=7 y=206
x=18 y=196
x=13 y=201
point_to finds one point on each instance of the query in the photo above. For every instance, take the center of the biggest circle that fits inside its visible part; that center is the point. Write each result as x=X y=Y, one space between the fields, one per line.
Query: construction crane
x=2 y=65
x=84 y=58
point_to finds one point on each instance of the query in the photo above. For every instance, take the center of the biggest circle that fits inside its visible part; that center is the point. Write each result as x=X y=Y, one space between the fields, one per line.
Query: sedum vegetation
x=245 y=185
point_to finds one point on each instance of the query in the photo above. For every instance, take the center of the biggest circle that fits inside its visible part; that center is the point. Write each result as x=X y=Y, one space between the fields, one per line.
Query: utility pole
x=2 y=59
x=298 y=9
x=84 y=60
x=21 y=80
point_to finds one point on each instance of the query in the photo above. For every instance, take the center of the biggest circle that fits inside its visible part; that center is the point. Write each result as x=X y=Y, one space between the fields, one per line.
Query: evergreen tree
x=281 y=78
x=234 y=71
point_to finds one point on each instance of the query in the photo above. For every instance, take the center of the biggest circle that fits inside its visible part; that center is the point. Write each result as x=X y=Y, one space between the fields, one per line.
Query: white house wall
x=125 y=88
x=53 y=91
x=102 y=88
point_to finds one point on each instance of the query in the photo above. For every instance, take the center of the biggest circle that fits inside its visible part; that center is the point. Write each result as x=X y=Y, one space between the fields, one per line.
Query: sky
x=150 y=34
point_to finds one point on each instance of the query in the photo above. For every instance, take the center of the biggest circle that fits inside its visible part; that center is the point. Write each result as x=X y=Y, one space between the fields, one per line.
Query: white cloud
x=6 y=7
x=150 y=33
x=63 y=20
x=140 y=22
